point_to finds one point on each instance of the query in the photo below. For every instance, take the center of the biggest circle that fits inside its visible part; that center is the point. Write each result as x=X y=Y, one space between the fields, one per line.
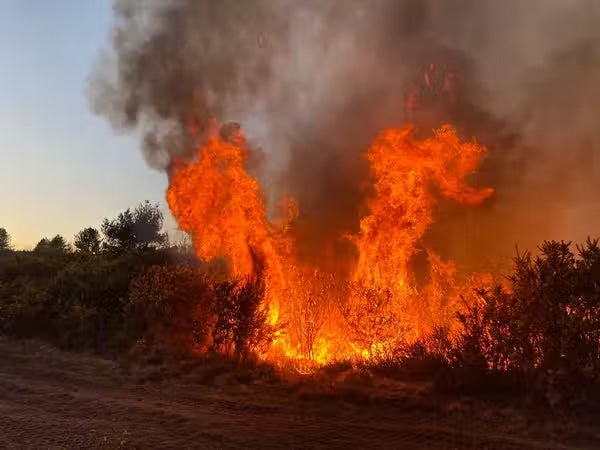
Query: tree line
x=137 y=229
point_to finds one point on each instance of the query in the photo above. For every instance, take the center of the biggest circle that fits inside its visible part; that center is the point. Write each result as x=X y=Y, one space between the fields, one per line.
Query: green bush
x=172 y=306
x=241 y=326
x=74 y=300
x=545 y=327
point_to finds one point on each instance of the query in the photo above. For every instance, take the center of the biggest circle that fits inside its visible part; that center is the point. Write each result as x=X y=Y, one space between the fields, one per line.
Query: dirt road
x=52 y=399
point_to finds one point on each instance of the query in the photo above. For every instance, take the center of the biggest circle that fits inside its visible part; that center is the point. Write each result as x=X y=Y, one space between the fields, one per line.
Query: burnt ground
x=53 y=399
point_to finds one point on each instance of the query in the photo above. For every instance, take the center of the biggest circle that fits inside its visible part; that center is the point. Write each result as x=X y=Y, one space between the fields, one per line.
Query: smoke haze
x=313 y=82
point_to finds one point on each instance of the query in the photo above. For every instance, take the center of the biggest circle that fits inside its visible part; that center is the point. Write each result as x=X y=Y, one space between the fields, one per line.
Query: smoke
x=313 y=82
x=537 y=62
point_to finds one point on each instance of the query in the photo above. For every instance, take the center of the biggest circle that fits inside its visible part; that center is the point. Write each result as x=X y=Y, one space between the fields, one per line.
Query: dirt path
x=52 y=399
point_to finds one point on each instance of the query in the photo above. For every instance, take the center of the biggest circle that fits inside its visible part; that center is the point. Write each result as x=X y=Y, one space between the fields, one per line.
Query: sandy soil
x=52 y=399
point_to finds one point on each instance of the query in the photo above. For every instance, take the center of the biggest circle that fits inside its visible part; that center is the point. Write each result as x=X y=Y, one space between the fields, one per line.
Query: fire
x=407 y=173
x=220 y=205
x=378 y=304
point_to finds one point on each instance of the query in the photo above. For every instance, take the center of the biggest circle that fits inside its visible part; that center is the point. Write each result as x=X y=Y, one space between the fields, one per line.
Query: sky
x=61 y=167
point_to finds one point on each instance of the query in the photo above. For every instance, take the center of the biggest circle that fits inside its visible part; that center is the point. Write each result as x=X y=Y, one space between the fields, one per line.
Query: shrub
x=78 y=304
x=546 y=324
x=74 y=300
x=172 y=306
x=241 y=326
x=374 y=318
x=310 y=304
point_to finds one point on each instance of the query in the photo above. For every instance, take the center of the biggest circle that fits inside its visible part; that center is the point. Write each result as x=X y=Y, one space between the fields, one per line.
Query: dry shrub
x=241 y=328
x=544 y=330
x=172 y=306
x=375 y=321
x=310 y=301
x=178 y=308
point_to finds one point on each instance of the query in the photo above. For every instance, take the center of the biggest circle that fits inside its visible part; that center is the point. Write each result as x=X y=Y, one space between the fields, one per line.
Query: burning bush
x=311 y=300
x=241 y=326
x=180 y=308
x=375 y=320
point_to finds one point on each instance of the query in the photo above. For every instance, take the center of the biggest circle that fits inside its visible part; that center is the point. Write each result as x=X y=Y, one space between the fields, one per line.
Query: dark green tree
x=139 y=229
x=57 y=244
x=4 y=240
x=88 y=240
x=42 y=245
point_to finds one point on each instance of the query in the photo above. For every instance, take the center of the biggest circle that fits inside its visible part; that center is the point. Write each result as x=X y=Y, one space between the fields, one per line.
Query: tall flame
x=407 y=173
x=222 y=207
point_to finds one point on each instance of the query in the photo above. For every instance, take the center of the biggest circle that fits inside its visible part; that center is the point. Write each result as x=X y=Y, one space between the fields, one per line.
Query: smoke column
x=313 y=82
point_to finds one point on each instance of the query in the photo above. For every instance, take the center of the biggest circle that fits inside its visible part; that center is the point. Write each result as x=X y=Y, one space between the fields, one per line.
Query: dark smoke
x=313 y=82
x=173 y=64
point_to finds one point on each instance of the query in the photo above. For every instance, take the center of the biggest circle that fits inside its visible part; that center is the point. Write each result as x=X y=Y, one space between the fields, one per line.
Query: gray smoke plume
x=313 y=82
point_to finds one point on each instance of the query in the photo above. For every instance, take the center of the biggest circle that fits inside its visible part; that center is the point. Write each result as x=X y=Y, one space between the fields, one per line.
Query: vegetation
x=372 y=322
x=241 y=326
x=310 y=305
x=544 y=328
x=88 y=241
x=537 y=334
x=76 y=299
x=57 y=244
x=4 y=240
x=171 y=306
x=126 y=287
x=140 y=229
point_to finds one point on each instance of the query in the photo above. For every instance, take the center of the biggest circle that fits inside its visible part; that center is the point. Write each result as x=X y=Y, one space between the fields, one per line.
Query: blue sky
x=61 y=167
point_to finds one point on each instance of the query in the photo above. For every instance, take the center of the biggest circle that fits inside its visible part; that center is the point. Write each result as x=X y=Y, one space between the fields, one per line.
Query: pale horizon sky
x=62 y=168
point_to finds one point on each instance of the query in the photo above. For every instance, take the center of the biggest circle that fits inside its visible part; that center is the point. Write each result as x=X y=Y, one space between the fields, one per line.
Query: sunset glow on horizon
x=62 y=168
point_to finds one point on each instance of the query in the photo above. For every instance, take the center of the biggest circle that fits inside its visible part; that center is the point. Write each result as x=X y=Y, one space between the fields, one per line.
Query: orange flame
x=406 y=173
x=222 y=207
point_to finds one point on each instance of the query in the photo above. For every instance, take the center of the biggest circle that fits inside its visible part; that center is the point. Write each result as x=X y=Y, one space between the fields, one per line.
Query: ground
x=54 y=399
